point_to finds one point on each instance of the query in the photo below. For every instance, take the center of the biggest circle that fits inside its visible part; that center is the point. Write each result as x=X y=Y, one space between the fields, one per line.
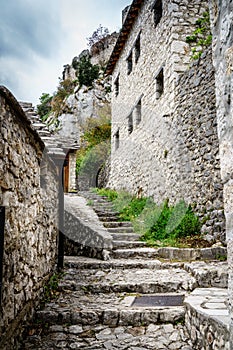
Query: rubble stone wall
x=28 y=191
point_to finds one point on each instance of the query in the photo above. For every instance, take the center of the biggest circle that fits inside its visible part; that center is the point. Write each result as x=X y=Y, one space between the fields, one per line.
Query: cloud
x=37 y=37
x=27 y=27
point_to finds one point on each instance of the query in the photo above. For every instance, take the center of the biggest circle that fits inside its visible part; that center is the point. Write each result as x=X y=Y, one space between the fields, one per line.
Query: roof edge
x=124 y=34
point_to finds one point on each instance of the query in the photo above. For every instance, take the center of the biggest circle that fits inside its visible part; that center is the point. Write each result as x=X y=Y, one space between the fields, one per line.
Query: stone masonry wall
x=172 y=151
x=30 y=197
x=222 y=19
x=197 y=167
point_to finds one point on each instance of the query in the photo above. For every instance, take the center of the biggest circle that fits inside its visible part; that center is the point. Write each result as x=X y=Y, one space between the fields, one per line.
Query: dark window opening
x=116 y=83
x=158 y=11
x=130 y=123
x=138 y=112
x=130 y=63
x=159 y=84
x=137 y=49
x=117 y=140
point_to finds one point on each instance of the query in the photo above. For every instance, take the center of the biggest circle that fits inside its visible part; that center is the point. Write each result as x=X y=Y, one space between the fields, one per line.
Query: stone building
x=164 y=128
x=29 y=212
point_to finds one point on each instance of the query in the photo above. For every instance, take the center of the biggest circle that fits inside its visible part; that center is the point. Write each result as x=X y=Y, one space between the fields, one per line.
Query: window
x=159 y=84
x=137 y=49
x=117 y=139
x=158 y=11
x=130 y=123
x=130 y=63
x=138 y=112
x=116 y=84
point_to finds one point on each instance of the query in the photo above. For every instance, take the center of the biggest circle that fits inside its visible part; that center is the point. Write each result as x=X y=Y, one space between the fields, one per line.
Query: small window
x=130 y=123
x=158 y=11
x=130 y=63
x=116 y=84
x=137 y=49
x=117 y=140
x=159 y=84
x=138 y=112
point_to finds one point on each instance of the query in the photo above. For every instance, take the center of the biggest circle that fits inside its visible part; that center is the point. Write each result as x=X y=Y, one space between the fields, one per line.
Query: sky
x=38 y=37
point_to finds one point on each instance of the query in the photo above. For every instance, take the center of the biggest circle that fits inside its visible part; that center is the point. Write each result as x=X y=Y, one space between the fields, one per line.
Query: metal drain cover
x=158 y=300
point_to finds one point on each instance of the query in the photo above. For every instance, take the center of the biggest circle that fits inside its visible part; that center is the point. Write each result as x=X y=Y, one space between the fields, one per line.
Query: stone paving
x=95 y=309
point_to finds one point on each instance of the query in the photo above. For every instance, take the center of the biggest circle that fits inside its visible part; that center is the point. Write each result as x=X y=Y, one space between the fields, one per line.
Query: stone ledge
x=207 y=318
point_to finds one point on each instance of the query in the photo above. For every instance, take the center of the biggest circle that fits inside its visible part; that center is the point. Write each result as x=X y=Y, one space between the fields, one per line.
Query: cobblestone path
x=95 y=309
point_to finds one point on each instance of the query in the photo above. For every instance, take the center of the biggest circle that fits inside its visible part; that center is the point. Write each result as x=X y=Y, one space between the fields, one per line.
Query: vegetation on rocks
x=86 y=72
x=55 y=103
x=158 y=224
x=201 y=38
x=95 y=146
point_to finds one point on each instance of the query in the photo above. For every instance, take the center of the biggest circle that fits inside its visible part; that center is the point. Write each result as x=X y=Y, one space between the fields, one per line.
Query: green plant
x=221 y=257
x=65 y=88
x=132 y=209
x=201 y=38
x=106 y=192
x=44 y=108
x=90 y=202
x=50 y=290
x=86 y=72
x=172 y=223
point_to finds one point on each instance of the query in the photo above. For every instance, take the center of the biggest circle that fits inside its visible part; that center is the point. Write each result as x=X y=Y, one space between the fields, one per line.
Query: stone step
x=108 y=214
x=143 y=281
x=108 y=218
x=128 y=244
x=80 y=308
x=99 y=337
x=125 y=236
x=113 y=224
x=137 y=253
x=120 y=230
x=80 y=262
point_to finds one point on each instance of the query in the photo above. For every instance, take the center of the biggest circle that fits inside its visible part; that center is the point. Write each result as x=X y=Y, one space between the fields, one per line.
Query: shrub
x=110 y=194
x=173 y=222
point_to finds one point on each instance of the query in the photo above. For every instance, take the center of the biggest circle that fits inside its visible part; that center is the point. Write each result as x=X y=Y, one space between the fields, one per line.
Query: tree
x=44 y=108
x=98 y=35
x=87 y=72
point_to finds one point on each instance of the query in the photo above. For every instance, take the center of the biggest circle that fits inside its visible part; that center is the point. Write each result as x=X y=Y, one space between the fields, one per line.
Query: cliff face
x=85 y=102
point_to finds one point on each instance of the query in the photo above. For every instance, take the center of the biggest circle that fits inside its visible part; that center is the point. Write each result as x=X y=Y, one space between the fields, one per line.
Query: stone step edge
x=114 y=317
x=181 y=254
x=128 y=287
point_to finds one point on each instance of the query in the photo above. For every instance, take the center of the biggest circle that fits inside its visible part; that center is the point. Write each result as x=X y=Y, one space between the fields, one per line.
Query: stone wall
x=29 y=193
x=169 y=149
x=206 y=332
x=222 y=18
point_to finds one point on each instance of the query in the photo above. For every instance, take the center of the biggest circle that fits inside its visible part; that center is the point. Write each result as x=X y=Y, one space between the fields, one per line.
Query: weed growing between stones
x=50 y=290
x=201 y=38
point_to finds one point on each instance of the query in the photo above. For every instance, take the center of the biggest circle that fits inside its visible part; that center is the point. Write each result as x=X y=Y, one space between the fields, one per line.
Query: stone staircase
x=141 y=303
x=126 y=243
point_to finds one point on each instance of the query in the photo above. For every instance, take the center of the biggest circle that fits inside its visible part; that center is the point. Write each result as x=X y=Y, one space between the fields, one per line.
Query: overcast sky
x=38 y=37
